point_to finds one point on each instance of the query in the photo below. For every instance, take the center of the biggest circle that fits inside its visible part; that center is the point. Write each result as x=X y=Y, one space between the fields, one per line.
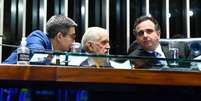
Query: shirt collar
x=91 y=61
x=158 y=49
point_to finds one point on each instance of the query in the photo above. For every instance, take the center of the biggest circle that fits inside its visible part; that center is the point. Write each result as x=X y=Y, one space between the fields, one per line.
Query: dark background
x=117 y=25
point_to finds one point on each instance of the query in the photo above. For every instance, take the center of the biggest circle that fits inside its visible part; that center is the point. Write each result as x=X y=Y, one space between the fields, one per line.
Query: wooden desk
x=93 y=75
x=110 y=84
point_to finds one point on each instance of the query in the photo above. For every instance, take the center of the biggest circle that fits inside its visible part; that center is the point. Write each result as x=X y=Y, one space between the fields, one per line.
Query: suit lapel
x=165 y=49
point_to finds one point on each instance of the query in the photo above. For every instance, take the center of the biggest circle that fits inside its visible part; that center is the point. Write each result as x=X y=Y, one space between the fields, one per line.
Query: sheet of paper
x=76 y=60
x=124 y=65
x=38 y=57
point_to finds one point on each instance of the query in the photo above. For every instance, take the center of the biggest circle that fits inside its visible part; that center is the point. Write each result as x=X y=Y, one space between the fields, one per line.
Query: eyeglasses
x=73 y=36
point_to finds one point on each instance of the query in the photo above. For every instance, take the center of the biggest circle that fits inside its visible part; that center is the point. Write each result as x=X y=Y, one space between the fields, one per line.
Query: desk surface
x=94 y=75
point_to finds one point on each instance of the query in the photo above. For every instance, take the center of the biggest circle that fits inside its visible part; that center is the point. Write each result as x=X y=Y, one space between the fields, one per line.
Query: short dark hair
x=145 y=18
x=59 y=23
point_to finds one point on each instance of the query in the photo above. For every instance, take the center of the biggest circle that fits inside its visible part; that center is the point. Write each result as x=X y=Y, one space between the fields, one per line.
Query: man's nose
x=108 y=46
x=145 y=34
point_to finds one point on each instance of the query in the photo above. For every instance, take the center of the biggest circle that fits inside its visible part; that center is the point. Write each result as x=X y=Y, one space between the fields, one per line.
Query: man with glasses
x=60 y=35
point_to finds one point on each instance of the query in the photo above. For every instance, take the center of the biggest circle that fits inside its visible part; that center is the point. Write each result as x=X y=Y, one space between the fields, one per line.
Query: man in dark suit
x=147 y=44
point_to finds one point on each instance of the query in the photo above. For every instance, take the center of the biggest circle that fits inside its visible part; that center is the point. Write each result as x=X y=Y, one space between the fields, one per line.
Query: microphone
x=9 y=45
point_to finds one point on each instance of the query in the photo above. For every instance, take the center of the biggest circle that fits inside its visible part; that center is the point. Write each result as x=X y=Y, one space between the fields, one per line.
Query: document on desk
x=118 y=65
x=72 y=60
x=38 y=57
x=76 y=60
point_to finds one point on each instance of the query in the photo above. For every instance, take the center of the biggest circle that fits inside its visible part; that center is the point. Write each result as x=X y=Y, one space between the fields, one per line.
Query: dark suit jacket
x=184 y=52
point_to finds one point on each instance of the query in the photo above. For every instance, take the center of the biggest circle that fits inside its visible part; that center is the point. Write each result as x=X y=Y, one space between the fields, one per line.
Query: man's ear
x=89 y=46
x=59 y=36
x=159 y=33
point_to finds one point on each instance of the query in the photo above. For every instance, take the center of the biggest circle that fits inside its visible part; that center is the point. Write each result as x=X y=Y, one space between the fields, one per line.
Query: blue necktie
x=156 y=61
